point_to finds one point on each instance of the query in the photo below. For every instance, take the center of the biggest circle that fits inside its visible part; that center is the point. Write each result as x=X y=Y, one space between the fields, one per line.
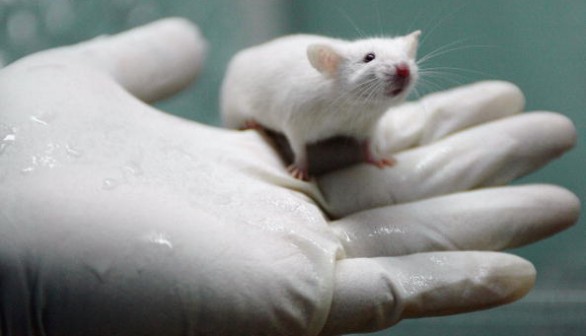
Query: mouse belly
x=301 y=135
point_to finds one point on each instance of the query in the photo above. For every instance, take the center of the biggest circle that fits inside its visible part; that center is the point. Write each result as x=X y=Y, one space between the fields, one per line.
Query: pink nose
x=402 y=70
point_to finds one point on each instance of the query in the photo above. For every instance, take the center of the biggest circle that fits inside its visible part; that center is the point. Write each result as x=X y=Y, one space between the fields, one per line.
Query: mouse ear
x=323 y=58
x=412 y=43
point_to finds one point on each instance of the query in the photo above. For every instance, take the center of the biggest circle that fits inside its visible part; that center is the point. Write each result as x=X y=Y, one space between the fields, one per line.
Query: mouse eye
x=368 y=57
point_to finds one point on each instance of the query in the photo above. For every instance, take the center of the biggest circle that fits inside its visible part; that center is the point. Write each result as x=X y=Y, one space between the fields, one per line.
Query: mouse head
x=376 y=69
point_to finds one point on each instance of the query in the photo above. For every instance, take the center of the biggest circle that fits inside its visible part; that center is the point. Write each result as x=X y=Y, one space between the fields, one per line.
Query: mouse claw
x=381 y=163
x=298 y=173
x=369 y=157
x=251 y=125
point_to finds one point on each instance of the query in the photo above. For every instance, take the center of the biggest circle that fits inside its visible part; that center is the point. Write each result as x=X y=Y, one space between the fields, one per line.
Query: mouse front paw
x=370 y=157
x=381 y=163
x=251 y=124
x=300 y=173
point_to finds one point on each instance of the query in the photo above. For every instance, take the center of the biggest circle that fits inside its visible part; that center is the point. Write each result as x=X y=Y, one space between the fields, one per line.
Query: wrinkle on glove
x=491 y=154
x=373 y=294
x=487 y=219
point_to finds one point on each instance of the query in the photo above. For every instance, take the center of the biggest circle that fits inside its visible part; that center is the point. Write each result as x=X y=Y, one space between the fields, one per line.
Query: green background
x=538 y=44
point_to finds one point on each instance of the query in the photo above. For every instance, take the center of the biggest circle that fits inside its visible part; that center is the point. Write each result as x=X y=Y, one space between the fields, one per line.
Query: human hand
x=118 y=219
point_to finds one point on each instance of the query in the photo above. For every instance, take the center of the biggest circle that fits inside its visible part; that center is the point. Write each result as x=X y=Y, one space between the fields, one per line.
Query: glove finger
x=151 y=62
x=373 y=294
x=491 y=154
x=440 y=114
x=488 y=219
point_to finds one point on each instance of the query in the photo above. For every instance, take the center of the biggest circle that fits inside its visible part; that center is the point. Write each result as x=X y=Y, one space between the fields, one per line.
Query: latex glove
x=118 y=219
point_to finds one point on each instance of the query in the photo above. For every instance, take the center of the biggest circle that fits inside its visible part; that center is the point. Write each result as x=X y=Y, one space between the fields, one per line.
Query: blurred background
x=538 y=44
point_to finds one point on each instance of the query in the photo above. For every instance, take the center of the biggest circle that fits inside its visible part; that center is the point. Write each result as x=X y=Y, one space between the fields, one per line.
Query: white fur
x=312 y=87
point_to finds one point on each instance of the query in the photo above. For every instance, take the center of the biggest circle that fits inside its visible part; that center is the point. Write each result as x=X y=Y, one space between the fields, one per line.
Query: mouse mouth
x=396 y=92
x=398 y=86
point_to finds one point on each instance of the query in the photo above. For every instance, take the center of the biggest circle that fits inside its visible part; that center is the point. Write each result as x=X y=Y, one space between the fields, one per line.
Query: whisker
x=352 y=23
x=439 y=23
x=446 y=48
x=470 y=71
x=378 y=17
x=451 y=77
x=357 y=91
x=424 y=84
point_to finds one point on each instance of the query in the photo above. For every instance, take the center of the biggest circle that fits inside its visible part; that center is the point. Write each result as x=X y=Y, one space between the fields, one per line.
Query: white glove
x=118 y=219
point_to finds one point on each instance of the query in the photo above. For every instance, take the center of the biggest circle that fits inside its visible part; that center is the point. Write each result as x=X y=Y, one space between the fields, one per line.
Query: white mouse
x=311 y=88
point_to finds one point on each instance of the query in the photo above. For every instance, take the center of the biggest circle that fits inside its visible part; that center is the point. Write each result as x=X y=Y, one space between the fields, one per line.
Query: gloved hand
x=118 y=219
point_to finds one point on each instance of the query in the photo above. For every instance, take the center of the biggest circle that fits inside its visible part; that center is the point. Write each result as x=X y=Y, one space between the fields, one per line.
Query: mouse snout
x=402 y=70
x=399 y=80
